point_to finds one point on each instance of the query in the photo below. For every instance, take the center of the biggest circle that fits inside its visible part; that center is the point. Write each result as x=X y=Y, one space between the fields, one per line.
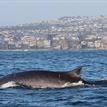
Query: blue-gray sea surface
x=94 y=64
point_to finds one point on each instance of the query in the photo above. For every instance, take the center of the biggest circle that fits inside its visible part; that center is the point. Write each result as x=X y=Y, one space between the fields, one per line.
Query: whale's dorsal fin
x=75 y=72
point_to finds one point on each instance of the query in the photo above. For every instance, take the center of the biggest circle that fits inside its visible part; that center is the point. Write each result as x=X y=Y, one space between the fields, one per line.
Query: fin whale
x=42 y=79
x=46 y=79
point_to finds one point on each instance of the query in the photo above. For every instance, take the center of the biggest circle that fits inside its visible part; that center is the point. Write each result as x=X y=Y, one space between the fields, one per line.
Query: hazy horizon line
x=49 y=19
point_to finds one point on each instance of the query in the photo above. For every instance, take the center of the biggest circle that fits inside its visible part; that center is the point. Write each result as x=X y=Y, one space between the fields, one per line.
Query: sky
x=15 y=12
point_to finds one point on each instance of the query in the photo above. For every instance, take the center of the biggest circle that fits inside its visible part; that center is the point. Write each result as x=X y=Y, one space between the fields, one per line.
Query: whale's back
x=42 y=79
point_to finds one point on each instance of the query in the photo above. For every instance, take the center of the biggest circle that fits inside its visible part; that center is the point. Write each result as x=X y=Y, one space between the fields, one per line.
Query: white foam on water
x=77 y=83
x=68 y=84
x=8 y=85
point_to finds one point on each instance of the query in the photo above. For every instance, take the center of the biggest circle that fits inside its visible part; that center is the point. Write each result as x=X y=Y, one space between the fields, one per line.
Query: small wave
x=105 y=78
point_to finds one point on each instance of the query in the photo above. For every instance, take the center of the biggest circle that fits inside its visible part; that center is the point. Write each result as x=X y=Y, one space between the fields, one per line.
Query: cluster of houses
x=63 y=33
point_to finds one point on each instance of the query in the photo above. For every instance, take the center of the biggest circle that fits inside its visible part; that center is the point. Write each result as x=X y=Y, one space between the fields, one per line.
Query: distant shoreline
x=26 y=50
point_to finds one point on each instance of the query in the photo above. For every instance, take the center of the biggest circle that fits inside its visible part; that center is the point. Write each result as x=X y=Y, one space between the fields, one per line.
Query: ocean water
x=94 y=64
